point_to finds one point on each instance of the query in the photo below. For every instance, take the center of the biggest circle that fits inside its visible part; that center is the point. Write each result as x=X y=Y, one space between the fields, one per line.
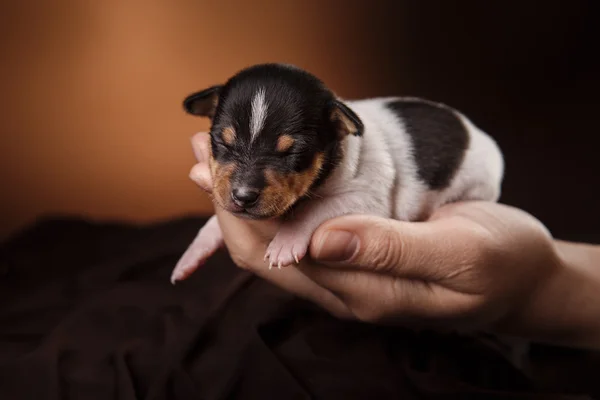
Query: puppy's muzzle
x=244 y=196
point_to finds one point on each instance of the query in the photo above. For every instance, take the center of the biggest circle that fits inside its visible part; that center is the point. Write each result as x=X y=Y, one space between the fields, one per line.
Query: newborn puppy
x=285 y=146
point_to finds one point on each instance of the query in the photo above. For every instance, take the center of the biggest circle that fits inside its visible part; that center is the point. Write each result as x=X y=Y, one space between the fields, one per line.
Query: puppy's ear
x=203 y=103
x=345 y=121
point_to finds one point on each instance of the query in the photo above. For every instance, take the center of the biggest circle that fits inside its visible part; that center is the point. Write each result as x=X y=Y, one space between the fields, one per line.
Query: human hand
x=472 y=265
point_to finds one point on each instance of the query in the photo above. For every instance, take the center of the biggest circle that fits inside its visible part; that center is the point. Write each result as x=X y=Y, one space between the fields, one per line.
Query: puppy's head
x=274 y=137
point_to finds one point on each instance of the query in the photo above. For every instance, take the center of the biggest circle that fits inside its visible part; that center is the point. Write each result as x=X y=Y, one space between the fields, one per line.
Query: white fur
x=259 y=113
x=381 y=163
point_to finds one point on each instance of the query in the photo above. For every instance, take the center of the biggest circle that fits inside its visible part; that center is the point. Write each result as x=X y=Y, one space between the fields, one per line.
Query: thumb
x=200 y=174
x=200 y=145
x=417 y=250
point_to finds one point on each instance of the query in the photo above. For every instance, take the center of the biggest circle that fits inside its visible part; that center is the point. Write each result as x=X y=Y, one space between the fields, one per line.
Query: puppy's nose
x=244 y=196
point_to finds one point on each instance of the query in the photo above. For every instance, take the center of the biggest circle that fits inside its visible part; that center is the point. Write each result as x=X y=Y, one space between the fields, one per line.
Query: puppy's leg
x=206 y=243
x=291 y=241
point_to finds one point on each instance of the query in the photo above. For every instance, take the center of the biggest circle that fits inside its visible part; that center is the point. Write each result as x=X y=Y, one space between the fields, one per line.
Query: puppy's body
x=415 y=156
x=396 y=170
x=405 y=158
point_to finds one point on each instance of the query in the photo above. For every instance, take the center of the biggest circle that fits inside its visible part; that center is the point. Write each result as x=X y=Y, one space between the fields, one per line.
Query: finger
x=247 y=241
x=409 y=250
x=200 y=142
x=247 y=234
x=200 y=174
x=294 y=281
x=383 y=298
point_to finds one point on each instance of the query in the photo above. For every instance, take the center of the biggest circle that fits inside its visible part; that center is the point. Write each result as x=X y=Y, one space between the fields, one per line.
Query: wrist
x=564 y=307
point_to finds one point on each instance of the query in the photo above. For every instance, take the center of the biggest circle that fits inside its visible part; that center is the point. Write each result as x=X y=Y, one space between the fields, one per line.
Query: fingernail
x=336 y=246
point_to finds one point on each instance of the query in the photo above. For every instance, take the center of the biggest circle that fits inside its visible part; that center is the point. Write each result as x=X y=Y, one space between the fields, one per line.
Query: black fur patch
x=439 y=139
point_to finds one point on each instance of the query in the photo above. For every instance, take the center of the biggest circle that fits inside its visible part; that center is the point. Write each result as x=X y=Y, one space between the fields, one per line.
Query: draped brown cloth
x=87 y=312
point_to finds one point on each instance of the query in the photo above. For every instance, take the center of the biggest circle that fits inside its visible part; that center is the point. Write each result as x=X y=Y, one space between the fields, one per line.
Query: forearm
x=565 y=309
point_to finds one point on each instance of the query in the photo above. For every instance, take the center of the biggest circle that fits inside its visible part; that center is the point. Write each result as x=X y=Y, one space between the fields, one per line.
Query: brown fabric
x=87 y=312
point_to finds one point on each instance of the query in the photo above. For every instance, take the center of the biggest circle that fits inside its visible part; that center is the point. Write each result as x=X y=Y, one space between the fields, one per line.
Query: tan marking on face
x=228 y=135
x=284 y=143
x=221 y=177
x=283 y=190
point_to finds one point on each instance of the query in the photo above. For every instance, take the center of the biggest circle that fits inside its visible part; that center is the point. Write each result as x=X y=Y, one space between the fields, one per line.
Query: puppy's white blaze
x=259 y=113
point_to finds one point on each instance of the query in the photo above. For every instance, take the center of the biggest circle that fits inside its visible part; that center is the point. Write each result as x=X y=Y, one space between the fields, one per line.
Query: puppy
x=283 y=145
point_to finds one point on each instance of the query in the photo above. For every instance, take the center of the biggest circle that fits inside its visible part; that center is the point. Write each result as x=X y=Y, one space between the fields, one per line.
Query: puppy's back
x=437 y=154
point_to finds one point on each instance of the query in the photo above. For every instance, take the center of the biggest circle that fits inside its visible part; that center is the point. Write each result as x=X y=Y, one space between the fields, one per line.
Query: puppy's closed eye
x=288 y=145
x=221 y=144
x=295 y=152
x=225 y=139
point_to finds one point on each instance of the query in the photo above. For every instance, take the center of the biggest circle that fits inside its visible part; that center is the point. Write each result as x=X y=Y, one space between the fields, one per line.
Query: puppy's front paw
x=287 y=247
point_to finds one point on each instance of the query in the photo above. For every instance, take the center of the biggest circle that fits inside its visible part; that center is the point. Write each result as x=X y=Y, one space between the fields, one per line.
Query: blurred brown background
x=92 y=122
